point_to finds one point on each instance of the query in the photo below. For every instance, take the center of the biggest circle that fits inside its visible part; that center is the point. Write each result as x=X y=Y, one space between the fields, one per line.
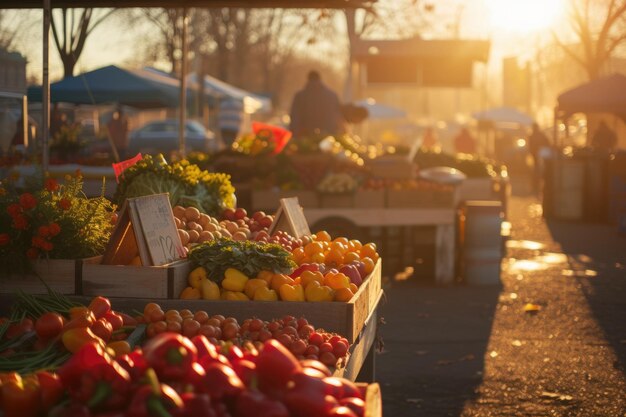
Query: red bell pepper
x=148 y=402
x=246 y=371
x=94 y=379
x=307 y=397
x=341 y=411
x=304 y=267
x=196 y=376
x=21 y=397
x=221 y=382
x=103 y=329
x=100 y=306
x=341 y=388
x=170 y=355
x=134 y=363
x=256 y=404
x=51 y=389
x=197 y=405
x=207 y=352
x=70 y=410
x=275 y=366
x=357 y=405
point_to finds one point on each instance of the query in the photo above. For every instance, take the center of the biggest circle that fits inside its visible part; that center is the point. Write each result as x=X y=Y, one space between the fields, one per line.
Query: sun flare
x=523 y=16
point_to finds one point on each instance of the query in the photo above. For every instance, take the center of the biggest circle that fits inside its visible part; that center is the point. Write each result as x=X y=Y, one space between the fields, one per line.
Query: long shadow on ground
x=603 y=252
x=435 y=342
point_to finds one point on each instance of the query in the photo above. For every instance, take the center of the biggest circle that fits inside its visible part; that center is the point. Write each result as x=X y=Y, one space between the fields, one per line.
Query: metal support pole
x=183 y=86
x=45 y=86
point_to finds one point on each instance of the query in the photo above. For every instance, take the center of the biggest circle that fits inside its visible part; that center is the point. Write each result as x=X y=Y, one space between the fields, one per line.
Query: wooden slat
x=141 y=282
x=385 y=217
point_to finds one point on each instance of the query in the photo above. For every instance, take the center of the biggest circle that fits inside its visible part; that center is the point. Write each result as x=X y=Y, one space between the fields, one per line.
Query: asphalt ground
x=475 y=350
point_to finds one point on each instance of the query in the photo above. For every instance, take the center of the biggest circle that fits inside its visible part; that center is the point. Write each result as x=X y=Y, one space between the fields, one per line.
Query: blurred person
x=118 y=132
x=464 y=142
x=315 y=109
x=604 y=138
x=537 y=141
x=229 y=120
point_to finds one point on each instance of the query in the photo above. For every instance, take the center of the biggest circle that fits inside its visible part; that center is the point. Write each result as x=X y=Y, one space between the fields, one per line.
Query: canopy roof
x=112 y=84
x=293 y=4
x=603 y=95
x=219 y=89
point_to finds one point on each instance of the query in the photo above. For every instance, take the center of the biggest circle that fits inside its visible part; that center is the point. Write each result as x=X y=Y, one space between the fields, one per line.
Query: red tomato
x=49 y=325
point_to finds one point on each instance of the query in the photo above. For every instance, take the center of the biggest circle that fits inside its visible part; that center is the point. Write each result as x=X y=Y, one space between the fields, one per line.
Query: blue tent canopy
x=112 y=84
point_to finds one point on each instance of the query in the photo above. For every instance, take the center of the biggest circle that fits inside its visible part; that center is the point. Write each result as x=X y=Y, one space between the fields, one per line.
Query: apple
x=258 y=215
x=240 y=213
x=229 y=214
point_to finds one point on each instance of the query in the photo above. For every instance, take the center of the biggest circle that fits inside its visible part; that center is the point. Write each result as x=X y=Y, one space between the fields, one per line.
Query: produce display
x=43 y=331
x=472 y=166
x=298 y=335
x=43 y=218
x=338 y=184
x=186 y=183
x=327 y=270
x=412 y=184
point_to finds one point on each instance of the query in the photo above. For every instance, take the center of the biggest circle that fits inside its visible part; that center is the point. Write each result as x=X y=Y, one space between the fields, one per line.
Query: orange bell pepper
x=291 y=292
x=75 y=338
x=337 y=280
x=254 y=284
x=316 y=292
x=190 y=293
x=266 y=276
x=265 y=294
x=279 y=280
x=309 y=276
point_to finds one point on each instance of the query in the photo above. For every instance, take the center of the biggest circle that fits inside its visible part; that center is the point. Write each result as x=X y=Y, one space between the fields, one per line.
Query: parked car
x=162 y=136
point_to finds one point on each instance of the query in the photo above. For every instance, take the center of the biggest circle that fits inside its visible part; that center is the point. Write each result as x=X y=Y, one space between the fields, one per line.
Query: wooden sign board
x=146 y=227
x=290 y=218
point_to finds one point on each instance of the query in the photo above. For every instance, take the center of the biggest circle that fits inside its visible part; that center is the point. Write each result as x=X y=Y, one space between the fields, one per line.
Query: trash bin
x=563 y=194
x=481 y=242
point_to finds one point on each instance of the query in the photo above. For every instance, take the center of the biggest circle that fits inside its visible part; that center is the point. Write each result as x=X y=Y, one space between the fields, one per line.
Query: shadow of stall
x=435 y=340
x=600 y=260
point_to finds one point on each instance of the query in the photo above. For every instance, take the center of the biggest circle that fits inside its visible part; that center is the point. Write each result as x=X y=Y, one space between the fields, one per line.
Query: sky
x=514 y=27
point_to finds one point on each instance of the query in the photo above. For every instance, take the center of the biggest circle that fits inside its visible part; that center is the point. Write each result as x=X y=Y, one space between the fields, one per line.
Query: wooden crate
x=373 y=399
x=336 y=200
x=410 y=199
x=346 y=318
x=369 y=199
x=61 y=275
x=146 y=282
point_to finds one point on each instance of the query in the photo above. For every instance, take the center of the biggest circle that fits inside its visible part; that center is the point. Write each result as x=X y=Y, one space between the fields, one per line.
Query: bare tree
x=600 y=28
x=12 y=25
x=70 y=29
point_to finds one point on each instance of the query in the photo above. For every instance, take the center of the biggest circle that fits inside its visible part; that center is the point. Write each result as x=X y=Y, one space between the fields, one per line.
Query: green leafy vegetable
x=248 y=257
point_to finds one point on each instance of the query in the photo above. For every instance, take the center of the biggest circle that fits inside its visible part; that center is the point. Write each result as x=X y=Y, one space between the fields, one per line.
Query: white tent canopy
x=252 y=103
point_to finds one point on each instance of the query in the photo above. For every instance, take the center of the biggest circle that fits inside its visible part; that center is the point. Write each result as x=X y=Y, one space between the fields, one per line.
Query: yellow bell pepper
x=279 y=280
x=234 y=296
x=209 y=290
x=316 y=292
x=343 y=294
x=254 y=284
x=266 y=276
x=190 y=293
x=309 y=276
x=291 y=292
x=337 y=280
x=234 y=280
x=265 y=294
x=196 y=276
x=119 y=347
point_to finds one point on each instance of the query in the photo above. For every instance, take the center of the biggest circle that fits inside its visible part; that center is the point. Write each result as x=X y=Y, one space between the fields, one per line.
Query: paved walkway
x=474 y=351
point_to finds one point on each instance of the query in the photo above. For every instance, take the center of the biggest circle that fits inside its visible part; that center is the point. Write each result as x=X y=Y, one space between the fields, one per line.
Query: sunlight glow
x=523 y=16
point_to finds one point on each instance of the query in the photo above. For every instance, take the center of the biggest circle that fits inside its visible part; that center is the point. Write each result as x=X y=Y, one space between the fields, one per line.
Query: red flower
x=20 y=222
x=4 y=239
x=38 y=242
x=54 y=229
x=51 y=184
x=14 y=209
x=64 y=204
x=27 y=201
x=47 y=246
x=44 y=231
x=32 y=253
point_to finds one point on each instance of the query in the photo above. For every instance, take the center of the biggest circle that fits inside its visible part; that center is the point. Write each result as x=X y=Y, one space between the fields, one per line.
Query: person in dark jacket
x=315 y=109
